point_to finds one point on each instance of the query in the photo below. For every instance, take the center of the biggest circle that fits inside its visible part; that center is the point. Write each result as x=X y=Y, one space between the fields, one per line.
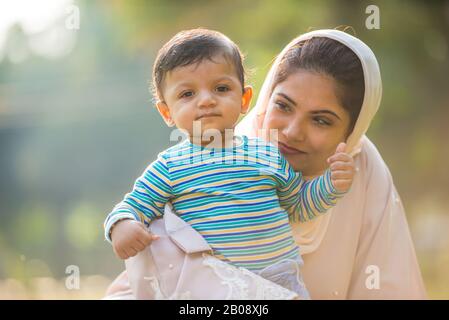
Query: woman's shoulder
x=370 y=159
x=370 y=149
x=377 y=182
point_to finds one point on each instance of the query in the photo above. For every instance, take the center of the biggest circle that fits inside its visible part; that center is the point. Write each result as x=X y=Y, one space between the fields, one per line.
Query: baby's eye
x=186 y=94
x=223 y=88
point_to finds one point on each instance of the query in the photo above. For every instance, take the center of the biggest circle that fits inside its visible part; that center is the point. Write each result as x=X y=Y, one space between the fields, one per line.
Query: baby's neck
x=225 y=141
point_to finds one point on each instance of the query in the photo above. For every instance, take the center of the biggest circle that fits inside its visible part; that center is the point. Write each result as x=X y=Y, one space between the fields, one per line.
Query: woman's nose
x=295 y=132
x=206 y=99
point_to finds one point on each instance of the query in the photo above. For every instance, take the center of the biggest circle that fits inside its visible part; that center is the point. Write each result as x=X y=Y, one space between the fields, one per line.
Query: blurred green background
x=73 y=101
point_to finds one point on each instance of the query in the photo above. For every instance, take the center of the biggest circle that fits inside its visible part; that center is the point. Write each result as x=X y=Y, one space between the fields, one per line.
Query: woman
x=325 y=88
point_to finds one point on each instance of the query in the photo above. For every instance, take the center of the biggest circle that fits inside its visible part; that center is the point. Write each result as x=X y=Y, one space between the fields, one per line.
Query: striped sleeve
x=151 y=191
x=307 y=199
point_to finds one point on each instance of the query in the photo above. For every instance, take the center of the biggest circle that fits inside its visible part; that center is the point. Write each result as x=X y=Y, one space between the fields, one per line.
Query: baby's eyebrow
x=181 y=85
x=228 y=78
x=188 y=84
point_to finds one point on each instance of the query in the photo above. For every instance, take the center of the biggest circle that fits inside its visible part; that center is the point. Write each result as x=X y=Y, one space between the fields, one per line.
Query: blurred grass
x=46 y=288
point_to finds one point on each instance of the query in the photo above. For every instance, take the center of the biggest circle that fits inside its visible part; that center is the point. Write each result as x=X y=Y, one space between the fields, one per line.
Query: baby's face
x=209 y=92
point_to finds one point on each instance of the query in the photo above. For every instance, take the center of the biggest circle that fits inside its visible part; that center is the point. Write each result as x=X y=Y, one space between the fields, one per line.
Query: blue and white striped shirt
x=239 y=199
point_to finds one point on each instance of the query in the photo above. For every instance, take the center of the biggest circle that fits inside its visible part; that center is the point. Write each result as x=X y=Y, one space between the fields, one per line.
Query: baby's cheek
x=184 y=125
x=186 y=118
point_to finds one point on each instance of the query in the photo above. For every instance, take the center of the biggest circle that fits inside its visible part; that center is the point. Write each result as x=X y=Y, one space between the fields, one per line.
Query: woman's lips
x=285 y=149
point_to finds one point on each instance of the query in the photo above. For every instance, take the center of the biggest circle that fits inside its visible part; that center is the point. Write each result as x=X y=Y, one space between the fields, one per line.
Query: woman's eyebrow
x=287 y=98
x=326 y=111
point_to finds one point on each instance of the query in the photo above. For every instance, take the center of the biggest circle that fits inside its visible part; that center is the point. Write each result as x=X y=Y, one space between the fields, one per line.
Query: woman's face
x=309 y=119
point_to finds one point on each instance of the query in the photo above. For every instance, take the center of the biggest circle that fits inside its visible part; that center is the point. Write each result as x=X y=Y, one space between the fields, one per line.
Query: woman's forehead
x=310 y=90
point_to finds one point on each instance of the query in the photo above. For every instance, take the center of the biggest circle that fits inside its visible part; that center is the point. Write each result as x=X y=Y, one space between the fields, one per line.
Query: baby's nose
x=206 y=99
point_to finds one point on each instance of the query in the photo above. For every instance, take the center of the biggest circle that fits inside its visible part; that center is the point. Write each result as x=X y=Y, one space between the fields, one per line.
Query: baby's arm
x=124 y=226
x=309 y=199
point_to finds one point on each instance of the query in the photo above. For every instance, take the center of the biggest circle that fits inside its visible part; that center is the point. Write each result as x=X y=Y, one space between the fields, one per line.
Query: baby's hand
x=129 y=237
x=342 y=169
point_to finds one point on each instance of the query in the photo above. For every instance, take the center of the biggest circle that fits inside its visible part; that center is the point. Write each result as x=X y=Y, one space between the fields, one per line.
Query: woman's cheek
x=275 y=119
x=323 y=146
x=328 y=150
x=269 y=122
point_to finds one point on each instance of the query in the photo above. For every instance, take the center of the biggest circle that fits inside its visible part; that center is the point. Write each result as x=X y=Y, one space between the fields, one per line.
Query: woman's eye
x=282 y=106
x=322 y=122
x=223 y=88
x=186 y=94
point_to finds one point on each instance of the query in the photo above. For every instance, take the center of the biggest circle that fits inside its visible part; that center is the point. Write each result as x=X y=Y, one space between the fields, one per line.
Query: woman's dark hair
x=332 y=58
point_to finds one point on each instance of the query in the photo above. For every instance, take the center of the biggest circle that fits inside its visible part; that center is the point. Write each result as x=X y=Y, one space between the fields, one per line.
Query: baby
x=237 y=192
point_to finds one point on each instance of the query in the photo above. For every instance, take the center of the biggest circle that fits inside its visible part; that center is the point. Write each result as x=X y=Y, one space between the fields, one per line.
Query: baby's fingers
x=344 y=157
x=139 y=245
x=336 y=175
x=342 y=185
x=148 y=237
x=121 y=254
x=342 y=166
x=130 y=252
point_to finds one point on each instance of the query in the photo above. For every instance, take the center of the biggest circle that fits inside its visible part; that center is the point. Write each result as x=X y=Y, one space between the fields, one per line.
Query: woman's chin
x=297 y=161
x=302 y=162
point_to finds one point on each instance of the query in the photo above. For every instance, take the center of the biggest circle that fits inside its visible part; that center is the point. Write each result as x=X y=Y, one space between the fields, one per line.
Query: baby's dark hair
x=192 y=47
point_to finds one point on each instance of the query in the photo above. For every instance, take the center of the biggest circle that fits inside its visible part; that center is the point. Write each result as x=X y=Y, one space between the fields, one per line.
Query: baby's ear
x=164 y=111
x=246 y=98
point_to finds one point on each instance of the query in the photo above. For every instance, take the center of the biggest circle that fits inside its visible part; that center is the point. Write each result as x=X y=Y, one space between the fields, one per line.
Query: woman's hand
x=342 y=168
x=129 y=237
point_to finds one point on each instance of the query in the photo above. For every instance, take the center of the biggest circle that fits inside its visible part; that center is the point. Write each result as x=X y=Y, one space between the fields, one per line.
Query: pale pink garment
x=180 y=265
x=361 y=249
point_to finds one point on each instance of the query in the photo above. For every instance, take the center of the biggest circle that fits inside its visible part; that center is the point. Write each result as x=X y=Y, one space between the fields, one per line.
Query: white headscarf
x=310 y=234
